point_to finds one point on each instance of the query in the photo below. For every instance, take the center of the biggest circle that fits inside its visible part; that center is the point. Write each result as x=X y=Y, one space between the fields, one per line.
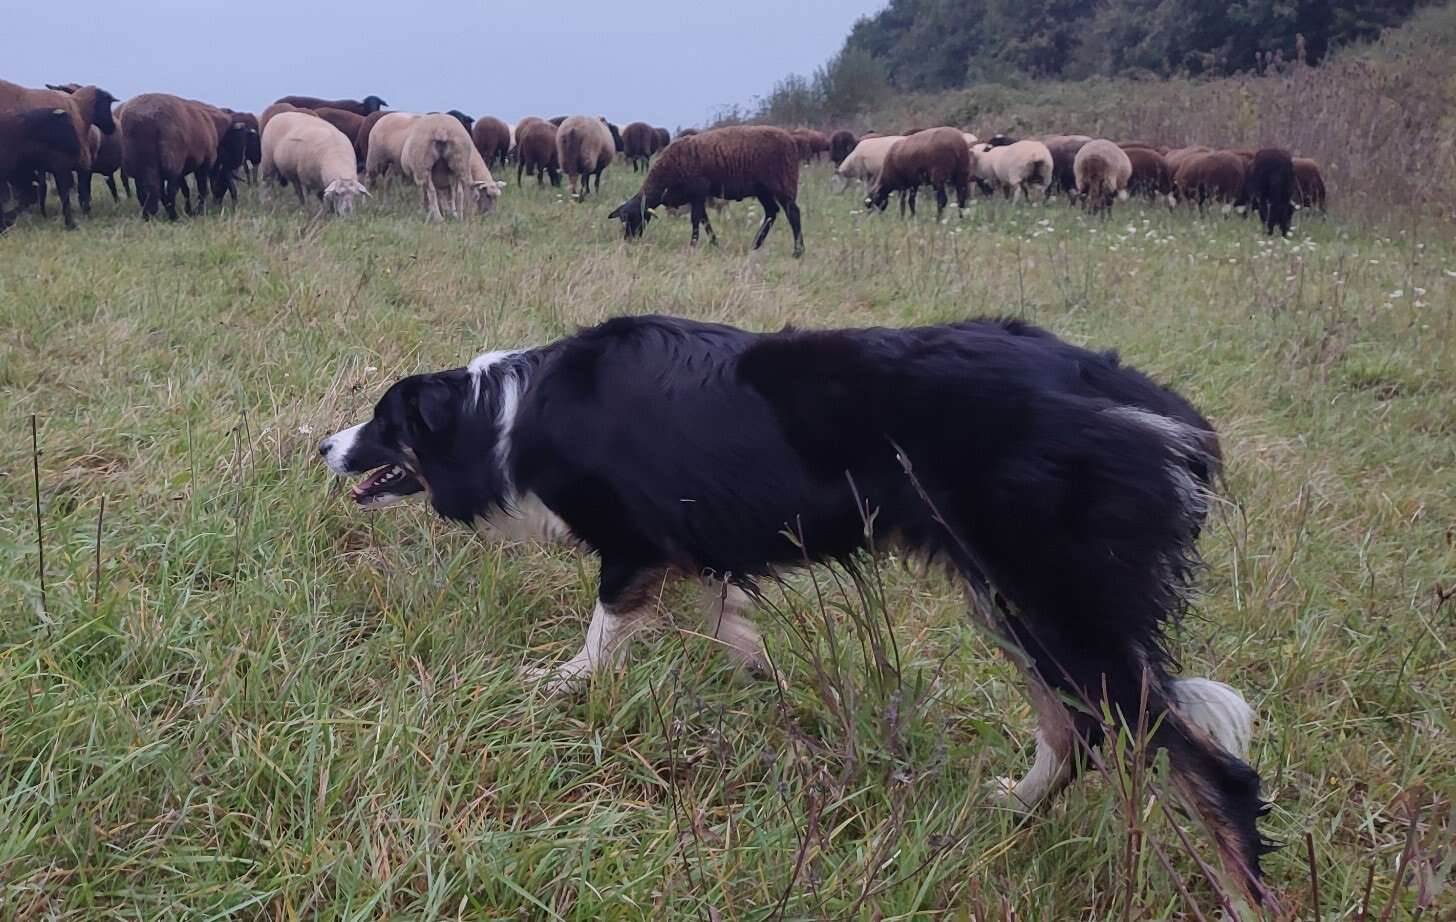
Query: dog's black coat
x=1065 y=488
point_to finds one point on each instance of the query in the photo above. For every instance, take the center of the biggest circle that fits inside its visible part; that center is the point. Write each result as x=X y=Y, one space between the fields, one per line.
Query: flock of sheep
x=331 y=151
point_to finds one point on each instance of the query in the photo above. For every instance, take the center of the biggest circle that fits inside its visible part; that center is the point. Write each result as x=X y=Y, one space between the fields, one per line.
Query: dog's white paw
x=1003 y=794
x=553 y=680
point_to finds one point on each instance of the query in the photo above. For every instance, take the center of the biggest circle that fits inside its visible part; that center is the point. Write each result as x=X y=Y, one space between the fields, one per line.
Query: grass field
x=266 y=704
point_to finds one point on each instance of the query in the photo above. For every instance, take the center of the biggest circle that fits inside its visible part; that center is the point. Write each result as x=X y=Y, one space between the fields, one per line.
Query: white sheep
x=437 y=154
x=584 y=148
x=864 y=163
x=486 y=189
x=315 y=157
x=1016 y=169
x=386 y=143
x=1103 y=171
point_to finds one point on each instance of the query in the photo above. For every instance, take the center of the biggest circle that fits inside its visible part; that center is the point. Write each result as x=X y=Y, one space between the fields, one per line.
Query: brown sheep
x=1270 y=188
x=254 y=128
x=639 y=141
x=361 y=140
x=841 y=143
x=811 y=143
x=275 y=109
x=1216 y=176
x=1174 y=158
x=661 y=137
x=165 y=138
x=1309 y=183
x=536 y=151
x=731 y=164
x=86 y=106
x=687 y=133
x=368 y=106
x=1064 y=148
x=31 y=137
x=347 y=122
x=1103 y=171
x=584 y=149
x=105 y=150
x=1150 y=176
x=492 y=138
x=938 y=157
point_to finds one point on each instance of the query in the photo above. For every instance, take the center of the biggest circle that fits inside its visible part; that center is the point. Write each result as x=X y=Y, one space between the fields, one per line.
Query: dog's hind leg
x=624 y=597
x=1056 y=743
x=725 y=617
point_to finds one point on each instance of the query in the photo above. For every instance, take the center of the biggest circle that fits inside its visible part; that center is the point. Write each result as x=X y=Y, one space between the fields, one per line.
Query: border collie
x=1065 y=490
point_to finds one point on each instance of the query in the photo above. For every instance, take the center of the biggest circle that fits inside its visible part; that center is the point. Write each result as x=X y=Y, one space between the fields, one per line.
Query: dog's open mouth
x=383 y=484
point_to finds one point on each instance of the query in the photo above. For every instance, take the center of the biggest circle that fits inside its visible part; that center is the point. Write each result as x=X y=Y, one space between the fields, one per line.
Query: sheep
x=386 y=144
x=165 y=138
x=689 y=132
x=638 y=142
x=275 y=109
x=437 y=154
x=1309 y=183
x=811 y=143
x=864 y=162
x=841 y=143
x=1216 y=175
x=661 y=137
x=1103 y=171
x=1269 y=186
x=368 y=106
x=536 y=151
x=1175 y=158
x=347 y=122
x=492 y=138
x=33 y=136
x=583 y=148
x=314 y=157
x=938 y=156
x=1015 y=168
x=732 y=164
x=487 y=190
x=618 y=145
x=366 y=128
x=1150 y=175
x=86 y=106
x=1064 y=148
x=466 y=121
x=106 y=159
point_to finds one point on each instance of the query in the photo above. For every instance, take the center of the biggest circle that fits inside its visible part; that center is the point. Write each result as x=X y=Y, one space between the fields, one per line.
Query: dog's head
x=434 y=433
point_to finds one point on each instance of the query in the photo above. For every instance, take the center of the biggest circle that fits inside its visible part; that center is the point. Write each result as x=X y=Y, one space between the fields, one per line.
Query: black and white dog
x=1065 y=490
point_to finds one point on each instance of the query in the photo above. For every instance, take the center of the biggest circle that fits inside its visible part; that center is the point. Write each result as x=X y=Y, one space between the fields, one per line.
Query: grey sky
x=669 y=63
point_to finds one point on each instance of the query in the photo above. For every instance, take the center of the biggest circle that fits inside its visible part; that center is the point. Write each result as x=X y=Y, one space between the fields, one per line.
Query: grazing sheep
x=86 y=106
x=639 y=141
x=369 y=105
x=366 y=128
x=689 y=132
x=437 y=154
x=1064 y=148
x=1150 y=175
x=277 y=108
x=536 y=151
x=1216 y=176
x=1103 y=171
x=315 y=158
x=106 y=160
x=483 y=184
x=386 y=145
x=165 y=138
x=347 y=122
x=1270 y=187
x=811 y=143
x=492 y=138
x=1015 y=168
x=584 y=149
x=938 y=157
x=254 y=153
x=1309 y=183
x=864 y=162
x=618 y=145
x=31 y=137
x=731 y=164
x=841 y=144
x=1175 y=158
x=661 y=137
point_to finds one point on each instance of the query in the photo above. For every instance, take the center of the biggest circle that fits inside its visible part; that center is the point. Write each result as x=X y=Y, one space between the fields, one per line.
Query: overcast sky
x=669 y=62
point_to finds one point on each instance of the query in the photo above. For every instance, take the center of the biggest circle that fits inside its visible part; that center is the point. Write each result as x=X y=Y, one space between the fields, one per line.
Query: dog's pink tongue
x=368 y=483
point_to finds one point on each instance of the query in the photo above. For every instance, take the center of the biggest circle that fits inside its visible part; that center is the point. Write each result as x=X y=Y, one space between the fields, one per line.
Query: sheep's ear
x=359 y=187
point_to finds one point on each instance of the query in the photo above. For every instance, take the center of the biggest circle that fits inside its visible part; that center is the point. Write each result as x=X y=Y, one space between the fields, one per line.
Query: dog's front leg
x=623 y=600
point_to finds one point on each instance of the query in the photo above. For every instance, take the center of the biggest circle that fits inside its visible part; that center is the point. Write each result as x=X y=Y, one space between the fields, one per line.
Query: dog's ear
x=436 y=405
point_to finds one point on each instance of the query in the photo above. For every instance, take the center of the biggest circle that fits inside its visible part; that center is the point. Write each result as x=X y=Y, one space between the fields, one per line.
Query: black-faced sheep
x=30 y=137
x=1270 y=187
x=86 y=106
x=492 y=138
x=1103 y=171
x=536 y=151
x=731 y=164
x=438 y=154
x=639 y=141
x=1213 y=176
x=584 y=149
x=1150 y=175
x=937 y=157
x=1016 y=168
x=1063 y=148
x=841 y=143
x=166 y=138
x=315 y=158
x=1309 y=183
x=369 y=104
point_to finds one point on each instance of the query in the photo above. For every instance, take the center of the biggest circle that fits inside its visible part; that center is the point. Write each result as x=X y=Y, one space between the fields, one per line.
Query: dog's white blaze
x=337 y=447
x=510 y=396
x=526 y=521
x=481 y=364
x=1218 y=710
x=723 y=615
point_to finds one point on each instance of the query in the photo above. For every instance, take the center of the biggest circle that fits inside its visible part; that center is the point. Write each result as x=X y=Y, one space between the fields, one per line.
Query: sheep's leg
x=169 y=198
x=40 y=193
x=770 y=214
x=791 y=209
x=912 y=196
x=700 y=213
x=200 y=177
x=941 y=199
x=298 y=191
x=63 y=192
x=180 y=185
x=111 y=187
x=83 y=190
x=432 y=202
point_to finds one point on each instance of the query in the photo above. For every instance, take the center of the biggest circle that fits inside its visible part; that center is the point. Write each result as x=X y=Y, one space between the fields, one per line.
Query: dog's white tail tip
x=1218 y=710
